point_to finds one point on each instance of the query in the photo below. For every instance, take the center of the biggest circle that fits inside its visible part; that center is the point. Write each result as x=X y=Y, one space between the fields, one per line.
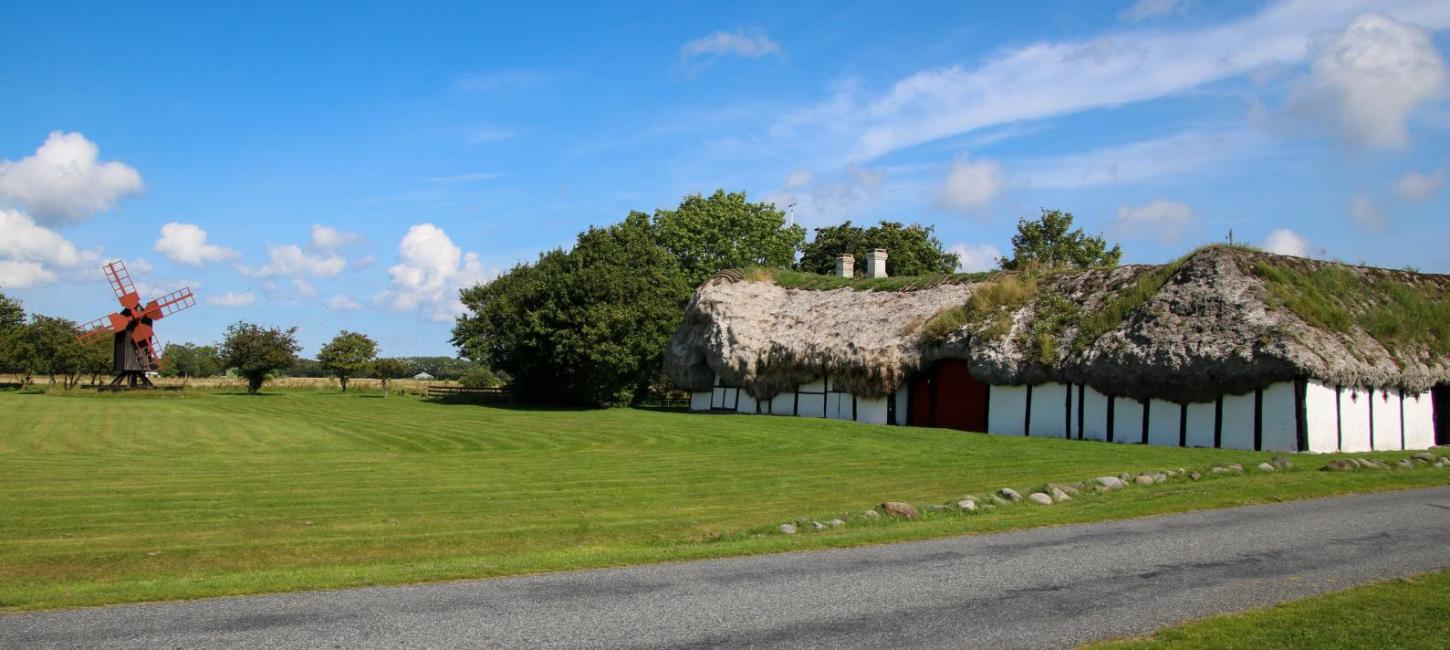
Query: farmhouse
x=1227 y=347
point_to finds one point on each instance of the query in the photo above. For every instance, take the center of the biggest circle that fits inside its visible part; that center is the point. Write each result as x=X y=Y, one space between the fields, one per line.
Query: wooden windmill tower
x=136 y=351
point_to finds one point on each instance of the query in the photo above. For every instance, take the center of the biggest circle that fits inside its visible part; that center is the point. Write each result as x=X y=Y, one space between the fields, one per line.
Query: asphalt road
x=1040 y=588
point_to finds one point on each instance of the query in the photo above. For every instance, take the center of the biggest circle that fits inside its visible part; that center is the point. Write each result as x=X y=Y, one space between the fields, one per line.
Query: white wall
x=746 y=403
x=1094 y=415
x=700 y=400
x=1127 y=421
x=782 y=404
x=1006 y=407
x=1238 y=421
x=1321 y=419
x=1280 y=427
x=1163 y=417
x=1047 y=410
x=1200 y=424
x=1419 y=421
x=872 y=410
x=903 y=402
x=1354 y=419
x=1386 y=419
x=812 y=406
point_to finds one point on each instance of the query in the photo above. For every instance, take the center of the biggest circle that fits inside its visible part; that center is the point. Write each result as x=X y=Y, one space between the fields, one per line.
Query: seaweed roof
x=1220 y=320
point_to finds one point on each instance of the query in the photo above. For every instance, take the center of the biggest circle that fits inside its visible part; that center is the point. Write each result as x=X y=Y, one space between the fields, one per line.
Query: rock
x=1009 y=494
x=1363 y=462
x=1110 y=482
x=816 y=525
x=1264 y=467
x=788 y=529
x=899 y=510
x=1125 y=477
x=836 y=523
x=1443 y=462
x=1426 y=457
x=1342 y=465
x=1281 y=462
x=1072 y=490
x=871 y=514
x=1058 y=496
x=1160 y=477
x=1227 y=469
x=1144 y=479
x=967 y=505
x=1040 y=499
x=1405 y=464
x=1236 y=467
x=1195 y=475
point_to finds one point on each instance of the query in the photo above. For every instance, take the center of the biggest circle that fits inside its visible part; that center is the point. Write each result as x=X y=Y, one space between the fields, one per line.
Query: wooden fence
x=496 y=395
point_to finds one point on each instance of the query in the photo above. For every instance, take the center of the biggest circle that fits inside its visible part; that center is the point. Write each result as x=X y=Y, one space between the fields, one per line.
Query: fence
x=496 y=395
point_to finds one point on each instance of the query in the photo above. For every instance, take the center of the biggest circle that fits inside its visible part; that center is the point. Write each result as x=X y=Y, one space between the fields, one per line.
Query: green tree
x=188 y=360
x=99 y=358
x=479 y=377
x=348 y=355
x=254 y=351
x=389 y=369
x=723 y=231
x=585 y=327
x=12 y=316
x=1048 y=242
x=910 y=249
x=47 y=346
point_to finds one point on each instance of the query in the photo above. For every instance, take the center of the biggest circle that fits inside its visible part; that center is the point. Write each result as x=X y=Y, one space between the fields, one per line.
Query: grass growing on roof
x=110 y=500
x=792 y=279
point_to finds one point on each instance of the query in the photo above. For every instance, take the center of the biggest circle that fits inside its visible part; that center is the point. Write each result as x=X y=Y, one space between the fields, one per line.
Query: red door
x=948 y=396
x=921 y=399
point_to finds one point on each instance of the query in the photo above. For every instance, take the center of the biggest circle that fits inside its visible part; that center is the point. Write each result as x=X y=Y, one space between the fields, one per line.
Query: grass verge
x=192 y=494
x=1406 y=613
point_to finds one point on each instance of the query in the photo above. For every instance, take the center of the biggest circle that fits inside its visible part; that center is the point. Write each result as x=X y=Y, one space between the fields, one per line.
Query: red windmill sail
x=136 y=349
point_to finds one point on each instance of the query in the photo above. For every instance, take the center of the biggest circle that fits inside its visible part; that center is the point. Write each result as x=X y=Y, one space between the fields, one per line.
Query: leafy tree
x=190 y=360
x=1048 y=242
x=479 y=377
x=46 y=346
x=98 y=359
x=12 y=316
x=306 y=368
x=910 y=250
x=584 y=327
x=723 y=231
x=348 y=355
x=439 y=367
x=388 y=369
x=254 y=351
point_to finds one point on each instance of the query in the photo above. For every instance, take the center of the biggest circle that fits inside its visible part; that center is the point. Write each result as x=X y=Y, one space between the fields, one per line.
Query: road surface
x=1044 y=588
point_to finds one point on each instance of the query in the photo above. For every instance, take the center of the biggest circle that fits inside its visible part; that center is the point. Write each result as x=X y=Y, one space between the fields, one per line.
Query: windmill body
x=135 y=349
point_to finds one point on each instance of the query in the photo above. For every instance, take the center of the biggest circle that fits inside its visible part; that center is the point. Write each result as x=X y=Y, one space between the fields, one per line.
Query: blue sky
x=350 y=165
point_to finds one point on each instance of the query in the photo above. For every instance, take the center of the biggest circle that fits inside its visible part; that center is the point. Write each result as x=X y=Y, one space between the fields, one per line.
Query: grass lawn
x=111 y=499
x=1409 y=613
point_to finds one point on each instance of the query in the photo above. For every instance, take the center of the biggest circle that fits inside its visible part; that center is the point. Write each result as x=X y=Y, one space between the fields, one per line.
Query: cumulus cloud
x=1286 y=242
x=1373 y=73
x=22 y=274
x=1415 y=186
x=185 y=243
x=291 y=259
x=1162 y=219
x=327 y=237
x=304 y=288
x=1145 y=9
x=972 y=258
x=430 y=271
x=971 y=184
x=342 y=302
x=31 y=254
x=813 y=199
x=1365 y=213
x=751 y=44
x=64 y=181
x=232 y=299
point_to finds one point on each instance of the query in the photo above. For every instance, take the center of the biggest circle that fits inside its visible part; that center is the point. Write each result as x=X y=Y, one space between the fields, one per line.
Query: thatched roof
x=1222 y=320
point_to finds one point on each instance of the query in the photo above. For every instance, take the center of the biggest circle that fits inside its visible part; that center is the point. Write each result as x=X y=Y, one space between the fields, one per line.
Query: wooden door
x=1440 y=397
x=961 y=400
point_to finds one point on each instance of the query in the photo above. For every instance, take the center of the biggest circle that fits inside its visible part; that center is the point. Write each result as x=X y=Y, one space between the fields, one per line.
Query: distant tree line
x=44 y=346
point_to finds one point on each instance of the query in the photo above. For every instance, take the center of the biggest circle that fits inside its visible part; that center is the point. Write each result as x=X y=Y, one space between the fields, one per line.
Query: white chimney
x=876 y=263
x=845 y=266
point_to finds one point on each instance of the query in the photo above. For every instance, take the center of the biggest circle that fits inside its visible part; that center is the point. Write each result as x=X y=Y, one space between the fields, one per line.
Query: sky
x=352 y=165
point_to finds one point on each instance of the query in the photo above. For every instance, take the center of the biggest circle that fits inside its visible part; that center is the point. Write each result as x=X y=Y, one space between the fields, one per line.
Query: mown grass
x=1398 y=313
x=1406 y=613
x=191 y=494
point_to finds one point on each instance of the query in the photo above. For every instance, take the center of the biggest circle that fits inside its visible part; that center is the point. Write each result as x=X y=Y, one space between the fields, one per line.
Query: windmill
x=136 y=351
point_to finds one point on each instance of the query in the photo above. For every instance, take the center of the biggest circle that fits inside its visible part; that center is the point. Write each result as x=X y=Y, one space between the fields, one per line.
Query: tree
x=98 y=358
x=255 y=351
x=479 y=377
x=910 y=250
x=12 y=316
x=188 y=360
x=47 y=346
x=724 y=231
x=1048 y=243
x=388 y=369
x=348 y=355
x=585 y=327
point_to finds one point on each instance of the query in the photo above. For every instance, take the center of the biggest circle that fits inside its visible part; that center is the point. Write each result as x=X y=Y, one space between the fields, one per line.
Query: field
x=180 y=494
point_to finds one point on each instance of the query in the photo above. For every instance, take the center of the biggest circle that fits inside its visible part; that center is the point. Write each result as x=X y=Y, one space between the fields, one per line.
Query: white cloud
x=1144 y=9
x=1177 y=154
x=971 y=185
x=1286 y=242
x=1162 y=219
x=1365 y=213
x=63 y=181
x=972 y=258
x=1047 y=79
x=26 y=241
x=327 y=237
x=21 y=274
x=342 y=302
x=751 y=44
x=1373 y=73
x=1415 y=186
x=363 y=262
x=304 y=288
x=290 y=259
x=430 y=271
x=812 y=199
x=232 y=299
x=185 y=243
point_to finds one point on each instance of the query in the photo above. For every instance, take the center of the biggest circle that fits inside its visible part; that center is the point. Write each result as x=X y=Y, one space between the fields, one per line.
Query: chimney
x=876 y=263
x=845 y=266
